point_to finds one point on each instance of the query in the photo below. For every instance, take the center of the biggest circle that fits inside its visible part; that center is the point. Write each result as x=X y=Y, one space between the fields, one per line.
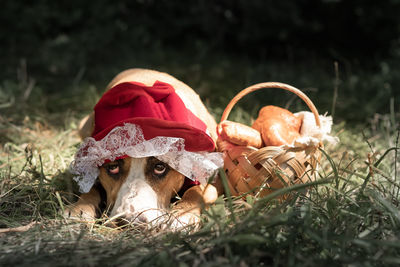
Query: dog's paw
x=80 y=212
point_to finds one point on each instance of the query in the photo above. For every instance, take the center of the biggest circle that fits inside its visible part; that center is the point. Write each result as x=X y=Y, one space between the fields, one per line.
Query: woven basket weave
x=261 y=171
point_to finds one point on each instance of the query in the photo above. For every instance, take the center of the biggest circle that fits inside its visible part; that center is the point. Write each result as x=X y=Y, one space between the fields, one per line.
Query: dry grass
x=349 y=217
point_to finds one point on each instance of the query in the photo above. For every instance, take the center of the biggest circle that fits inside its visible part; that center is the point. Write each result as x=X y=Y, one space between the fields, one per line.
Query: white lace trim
x=311 y=134
x=129 y=140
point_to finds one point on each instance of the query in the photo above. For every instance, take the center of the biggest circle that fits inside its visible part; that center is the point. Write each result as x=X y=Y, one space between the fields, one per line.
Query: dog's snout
x=137 y=200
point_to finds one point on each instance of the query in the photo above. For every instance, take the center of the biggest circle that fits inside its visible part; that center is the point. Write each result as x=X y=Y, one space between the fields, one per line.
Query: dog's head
x=139 y=189
x=145 y=142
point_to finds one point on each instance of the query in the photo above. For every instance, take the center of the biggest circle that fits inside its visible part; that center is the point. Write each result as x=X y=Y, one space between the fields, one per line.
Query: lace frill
x=128 y=140
x=311 y=134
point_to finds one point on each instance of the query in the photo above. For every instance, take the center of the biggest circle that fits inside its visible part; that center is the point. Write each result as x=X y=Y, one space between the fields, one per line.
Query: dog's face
x=139 y=189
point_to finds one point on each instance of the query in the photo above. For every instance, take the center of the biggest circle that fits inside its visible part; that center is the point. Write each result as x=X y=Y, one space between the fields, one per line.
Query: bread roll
x=277 y=126
x=239 y=134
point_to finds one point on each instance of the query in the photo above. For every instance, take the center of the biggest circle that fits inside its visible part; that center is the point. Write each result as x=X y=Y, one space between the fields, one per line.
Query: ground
x=349 y=216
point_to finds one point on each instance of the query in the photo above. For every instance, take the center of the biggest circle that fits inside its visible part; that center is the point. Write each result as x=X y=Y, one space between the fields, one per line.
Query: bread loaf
x=277 y=126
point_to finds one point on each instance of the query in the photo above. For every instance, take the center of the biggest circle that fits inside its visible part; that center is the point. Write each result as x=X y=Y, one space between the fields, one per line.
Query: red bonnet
x=157 y=109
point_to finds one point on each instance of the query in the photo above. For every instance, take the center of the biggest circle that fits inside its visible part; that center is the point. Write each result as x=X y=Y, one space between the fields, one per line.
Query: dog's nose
x=120 y=222
x=136 y=220
x=141 y=218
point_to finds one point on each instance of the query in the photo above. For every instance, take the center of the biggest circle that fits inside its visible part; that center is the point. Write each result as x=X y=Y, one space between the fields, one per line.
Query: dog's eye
x=159 y=169
x=113 y=168
x=156 y=169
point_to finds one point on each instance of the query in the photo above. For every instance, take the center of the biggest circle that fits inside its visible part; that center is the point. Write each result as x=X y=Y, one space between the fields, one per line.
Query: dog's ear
x=86 y=126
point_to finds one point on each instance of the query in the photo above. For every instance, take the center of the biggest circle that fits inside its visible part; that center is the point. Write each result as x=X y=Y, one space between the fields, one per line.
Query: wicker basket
x=261 y=171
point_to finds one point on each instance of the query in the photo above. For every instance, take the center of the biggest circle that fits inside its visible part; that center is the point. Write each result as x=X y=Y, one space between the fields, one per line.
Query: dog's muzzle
x=137 y=202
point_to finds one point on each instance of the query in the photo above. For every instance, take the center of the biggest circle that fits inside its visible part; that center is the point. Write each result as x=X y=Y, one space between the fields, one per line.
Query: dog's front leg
x=187 y=211
x=87 y=207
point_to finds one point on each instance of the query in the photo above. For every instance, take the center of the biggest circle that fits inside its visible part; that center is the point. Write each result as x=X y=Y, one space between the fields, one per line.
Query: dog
x=149 y=139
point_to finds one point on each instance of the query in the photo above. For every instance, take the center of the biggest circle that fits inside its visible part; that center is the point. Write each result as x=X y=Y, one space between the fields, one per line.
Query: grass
x=350 y=216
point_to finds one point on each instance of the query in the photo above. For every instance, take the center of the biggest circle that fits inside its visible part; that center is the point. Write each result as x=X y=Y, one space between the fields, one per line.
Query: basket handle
x=283 y=86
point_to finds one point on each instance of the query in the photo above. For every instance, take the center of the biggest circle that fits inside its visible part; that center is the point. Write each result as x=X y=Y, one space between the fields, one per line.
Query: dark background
x=94 y=39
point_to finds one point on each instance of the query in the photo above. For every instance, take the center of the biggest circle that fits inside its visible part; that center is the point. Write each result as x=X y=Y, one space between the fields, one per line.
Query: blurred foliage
x=332 y=28
x=224 y=45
